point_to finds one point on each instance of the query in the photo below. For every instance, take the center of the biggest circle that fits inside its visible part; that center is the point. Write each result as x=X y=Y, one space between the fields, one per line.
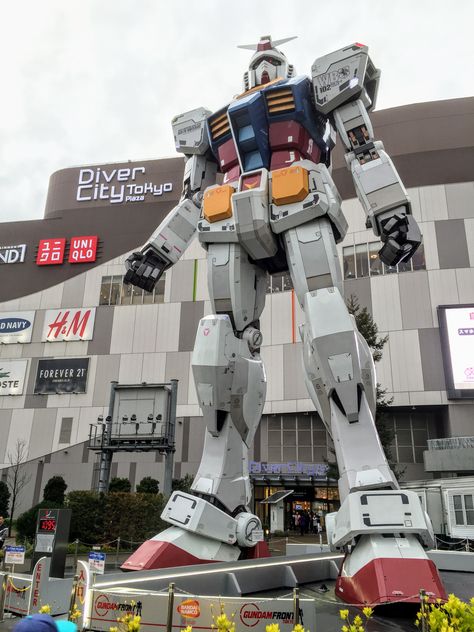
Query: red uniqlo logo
x=51 y=251
x=83 y=249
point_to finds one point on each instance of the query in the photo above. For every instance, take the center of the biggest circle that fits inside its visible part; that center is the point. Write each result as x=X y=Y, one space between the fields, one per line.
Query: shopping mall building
x=69 y=328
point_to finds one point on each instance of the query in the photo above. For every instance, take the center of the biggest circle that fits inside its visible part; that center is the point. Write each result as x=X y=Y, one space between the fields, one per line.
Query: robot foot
x=175 y=547
x=384 y=570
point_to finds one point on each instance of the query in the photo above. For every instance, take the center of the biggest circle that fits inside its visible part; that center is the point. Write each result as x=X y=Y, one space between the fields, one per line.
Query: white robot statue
x=275 y=207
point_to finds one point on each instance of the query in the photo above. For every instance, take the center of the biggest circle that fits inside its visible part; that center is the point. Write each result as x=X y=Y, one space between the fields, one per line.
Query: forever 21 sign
x=65 y=375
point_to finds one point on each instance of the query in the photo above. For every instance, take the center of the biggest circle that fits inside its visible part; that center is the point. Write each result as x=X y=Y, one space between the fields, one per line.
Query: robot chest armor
x=271 y=127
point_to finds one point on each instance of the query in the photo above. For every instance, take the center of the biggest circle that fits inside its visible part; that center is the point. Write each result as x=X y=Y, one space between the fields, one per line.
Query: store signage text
x=12 y=254
x=61 y=376
x=116 y=185
x=293 y=467
x=68 y=324
x=81 y=250
x=12 y=376
x=16 y=327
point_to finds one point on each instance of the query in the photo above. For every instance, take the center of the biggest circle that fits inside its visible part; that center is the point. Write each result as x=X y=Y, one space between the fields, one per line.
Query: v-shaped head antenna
x=266 y=43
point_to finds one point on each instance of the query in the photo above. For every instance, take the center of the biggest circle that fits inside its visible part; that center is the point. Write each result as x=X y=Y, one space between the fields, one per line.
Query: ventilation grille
x=280 y=101
x=219 y=126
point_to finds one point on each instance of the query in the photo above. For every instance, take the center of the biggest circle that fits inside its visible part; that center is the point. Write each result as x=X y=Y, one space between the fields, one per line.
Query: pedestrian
x=3 y=531
x=296 y=521
x=44 y=623
x=302 y=522
x=315 y=523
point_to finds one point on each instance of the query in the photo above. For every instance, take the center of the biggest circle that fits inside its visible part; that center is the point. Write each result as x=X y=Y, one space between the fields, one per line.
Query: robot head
x=268 y=63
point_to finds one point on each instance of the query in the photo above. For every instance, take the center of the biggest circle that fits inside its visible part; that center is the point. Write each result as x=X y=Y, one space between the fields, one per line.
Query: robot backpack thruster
x=277 y=209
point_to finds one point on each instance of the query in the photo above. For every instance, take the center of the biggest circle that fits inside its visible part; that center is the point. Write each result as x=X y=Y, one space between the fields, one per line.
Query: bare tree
x=18 y=477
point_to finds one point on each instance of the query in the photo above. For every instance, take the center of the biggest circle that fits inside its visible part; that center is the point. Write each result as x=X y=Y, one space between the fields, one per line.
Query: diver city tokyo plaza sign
x=16 y=327
x=12 y=376
x=117 y=185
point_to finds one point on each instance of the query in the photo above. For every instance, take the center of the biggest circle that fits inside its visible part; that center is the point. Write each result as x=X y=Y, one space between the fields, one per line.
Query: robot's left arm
x=345 y=88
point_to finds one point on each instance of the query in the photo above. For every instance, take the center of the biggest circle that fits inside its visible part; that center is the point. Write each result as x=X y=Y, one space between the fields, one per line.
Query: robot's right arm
x=173 y=235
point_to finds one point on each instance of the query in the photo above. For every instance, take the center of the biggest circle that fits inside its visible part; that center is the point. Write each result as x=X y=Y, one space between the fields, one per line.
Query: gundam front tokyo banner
x=62 y=376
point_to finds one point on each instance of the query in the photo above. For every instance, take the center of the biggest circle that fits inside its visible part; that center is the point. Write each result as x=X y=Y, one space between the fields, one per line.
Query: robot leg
x=213 y=522
x=384 y=528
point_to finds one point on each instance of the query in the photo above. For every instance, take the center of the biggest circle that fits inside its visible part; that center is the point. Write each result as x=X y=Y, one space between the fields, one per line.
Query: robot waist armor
x=263 y=204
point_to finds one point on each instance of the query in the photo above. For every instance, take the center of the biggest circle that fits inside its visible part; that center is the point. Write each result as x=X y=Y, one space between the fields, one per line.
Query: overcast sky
x=96 y=81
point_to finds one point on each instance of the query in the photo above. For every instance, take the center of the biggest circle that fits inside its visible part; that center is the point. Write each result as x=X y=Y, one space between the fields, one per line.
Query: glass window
x=65 y=430
x=289 y=437
x=458 y=512
x=289 y=453
x=404 y=266
x=389 y=269
x=404 y=437
x=418 y=259
x=115 y=290
x=305 y=455
x=319 y=437
x=420 y=436
x=405 y=454
x=376 y=266
x=419 y=454
x=159 y=292
x=126 y=294
x=274 y=437
x=348 y=262
x=304 y=423
x=274 y=455
x=289 y=422
x=304 y=437
x=137 y=295
x=105 y=286
x=468 y=502
x=362 y=260
x=320 y=455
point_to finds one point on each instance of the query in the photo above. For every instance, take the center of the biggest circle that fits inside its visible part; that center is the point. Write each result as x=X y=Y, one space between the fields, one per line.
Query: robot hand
x=144 y=269
x=401 y=236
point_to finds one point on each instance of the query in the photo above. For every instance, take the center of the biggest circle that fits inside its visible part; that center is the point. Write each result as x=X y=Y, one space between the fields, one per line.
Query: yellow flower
x=368 y=612
x=113 y=629
x=344 y=614
x=357 y=621
x=272 y=627
x=46 y=609
x=298 y=628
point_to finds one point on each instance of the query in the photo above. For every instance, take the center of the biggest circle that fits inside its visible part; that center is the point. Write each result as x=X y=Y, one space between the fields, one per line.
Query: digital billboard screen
x=456 y=327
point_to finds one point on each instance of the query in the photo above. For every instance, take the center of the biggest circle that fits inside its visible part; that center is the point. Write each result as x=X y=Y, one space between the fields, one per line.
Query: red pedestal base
x=156 y=554
x=388 y=580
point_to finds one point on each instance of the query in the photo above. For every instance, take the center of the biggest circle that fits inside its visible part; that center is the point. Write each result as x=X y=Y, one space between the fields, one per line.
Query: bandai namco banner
x=198 y=612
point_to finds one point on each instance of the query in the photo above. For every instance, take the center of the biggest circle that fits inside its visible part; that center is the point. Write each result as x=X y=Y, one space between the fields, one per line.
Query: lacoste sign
x=12 y=376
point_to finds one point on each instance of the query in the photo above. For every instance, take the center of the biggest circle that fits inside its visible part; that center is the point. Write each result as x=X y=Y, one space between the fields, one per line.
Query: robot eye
x=270 y=60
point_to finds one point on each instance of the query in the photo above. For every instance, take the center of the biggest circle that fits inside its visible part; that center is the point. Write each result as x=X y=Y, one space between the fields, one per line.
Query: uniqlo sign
x=83 y=249
x=51 y=251
x=68 y=324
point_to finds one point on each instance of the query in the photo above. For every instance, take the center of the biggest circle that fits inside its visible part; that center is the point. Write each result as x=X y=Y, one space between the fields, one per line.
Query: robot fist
x=401 y=236
x=144 y=269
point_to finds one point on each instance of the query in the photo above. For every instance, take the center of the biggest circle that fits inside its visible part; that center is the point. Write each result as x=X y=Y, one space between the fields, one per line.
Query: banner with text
x=68 y=324
x=62 y=376
x=12 y=376
x=16 y=327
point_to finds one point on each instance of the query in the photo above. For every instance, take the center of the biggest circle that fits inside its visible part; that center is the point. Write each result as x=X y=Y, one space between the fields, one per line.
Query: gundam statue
x=275 y=207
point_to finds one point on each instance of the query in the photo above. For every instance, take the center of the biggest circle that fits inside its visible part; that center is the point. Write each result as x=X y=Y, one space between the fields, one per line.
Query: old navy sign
x=16 y=327
x=12 y=376
x=68 y=325
x=117 y=185
x=12 y=254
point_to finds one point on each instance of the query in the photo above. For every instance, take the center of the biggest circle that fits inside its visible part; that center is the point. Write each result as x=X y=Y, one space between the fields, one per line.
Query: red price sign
x=47 y=524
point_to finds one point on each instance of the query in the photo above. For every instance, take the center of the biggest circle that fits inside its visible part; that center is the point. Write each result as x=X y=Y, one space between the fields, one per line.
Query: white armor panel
x=251 y=213
x=342 y=76
x=322 y=199
x=176 y=231
x=386 y=511
x=190 y=133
